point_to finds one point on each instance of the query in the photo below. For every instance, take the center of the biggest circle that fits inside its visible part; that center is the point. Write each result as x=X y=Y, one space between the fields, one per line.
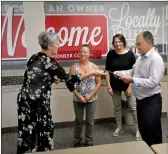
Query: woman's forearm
x=85 y=76
x=130 y=85
x=108 y=80
x=76 y=93
x=97 y=88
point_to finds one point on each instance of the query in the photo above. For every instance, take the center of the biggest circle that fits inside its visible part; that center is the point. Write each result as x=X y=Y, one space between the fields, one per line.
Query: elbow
x=99 y=85
x=149 y=83
x=154 y=83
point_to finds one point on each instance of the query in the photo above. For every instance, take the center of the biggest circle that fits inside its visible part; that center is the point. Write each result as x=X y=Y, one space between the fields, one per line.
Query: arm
x=156 y=72
x=72 y=72
x=133 y=60
x=129 y=89
x=108 y=80
x=107 y=67
x=80 y=98
x=127 y=72
x=55 y=69
x=97 y=88
x=76 y=94
x=130 y=85
x=85 y=76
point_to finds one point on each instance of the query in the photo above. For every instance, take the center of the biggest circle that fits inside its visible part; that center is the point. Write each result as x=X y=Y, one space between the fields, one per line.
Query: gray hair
x=148 y=36
x=47 y=38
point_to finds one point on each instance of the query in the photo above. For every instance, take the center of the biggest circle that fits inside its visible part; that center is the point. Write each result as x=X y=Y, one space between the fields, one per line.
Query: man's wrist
x=135 y=82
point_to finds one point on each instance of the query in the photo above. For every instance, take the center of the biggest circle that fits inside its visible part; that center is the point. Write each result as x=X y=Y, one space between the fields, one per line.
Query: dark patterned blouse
x=39 y=75
x=34 y=113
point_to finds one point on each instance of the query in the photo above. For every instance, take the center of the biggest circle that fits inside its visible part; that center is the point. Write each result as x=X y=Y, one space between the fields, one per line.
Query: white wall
x=62 y=106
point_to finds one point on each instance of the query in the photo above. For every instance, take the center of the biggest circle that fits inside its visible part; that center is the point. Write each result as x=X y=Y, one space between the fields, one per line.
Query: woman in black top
x=120 y=59
x=34 y=114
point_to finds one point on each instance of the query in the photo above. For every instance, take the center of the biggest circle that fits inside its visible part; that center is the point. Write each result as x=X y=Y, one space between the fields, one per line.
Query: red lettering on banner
x=74 y=30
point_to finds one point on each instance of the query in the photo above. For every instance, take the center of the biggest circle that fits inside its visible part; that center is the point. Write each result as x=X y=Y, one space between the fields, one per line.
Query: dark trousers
x=149 y=119
x=35 y=125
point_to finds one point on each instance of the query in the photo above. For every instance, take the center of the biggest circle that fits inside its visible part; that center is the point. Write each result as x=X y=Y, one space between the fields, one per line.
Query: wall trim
x=7 y=130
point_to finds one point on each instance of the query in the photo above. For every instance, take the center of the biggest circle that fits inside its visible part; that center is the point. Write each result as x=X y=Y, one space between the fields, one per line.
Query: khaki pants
x=116 y=97
x=90 y=109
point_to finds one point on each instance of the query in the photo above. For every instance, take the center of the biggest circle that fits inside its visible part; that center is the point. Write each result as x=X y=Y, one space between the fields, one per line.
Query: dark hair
x=148 y=36
x=121 y=38
x=85 y=45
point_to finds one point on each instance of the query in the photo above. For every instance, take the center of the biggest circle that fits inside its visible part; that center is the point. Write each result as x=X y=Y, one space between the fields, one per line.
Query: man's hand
x=127 y=79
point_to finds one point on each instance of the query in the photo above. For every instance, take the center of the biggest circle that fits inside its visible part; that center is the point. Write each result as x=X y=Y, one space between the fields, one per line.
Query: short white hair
x=47 y=38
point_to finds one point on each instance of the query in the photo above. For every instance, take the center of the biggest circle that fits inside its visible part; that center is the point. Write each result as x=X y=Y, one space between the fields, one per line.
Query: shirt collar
x=149 y=52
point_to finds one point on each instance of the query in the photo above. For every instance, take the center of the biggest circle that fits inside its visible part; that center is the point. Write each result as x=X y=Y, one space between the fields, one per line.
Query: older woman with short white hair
x=35 y=125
